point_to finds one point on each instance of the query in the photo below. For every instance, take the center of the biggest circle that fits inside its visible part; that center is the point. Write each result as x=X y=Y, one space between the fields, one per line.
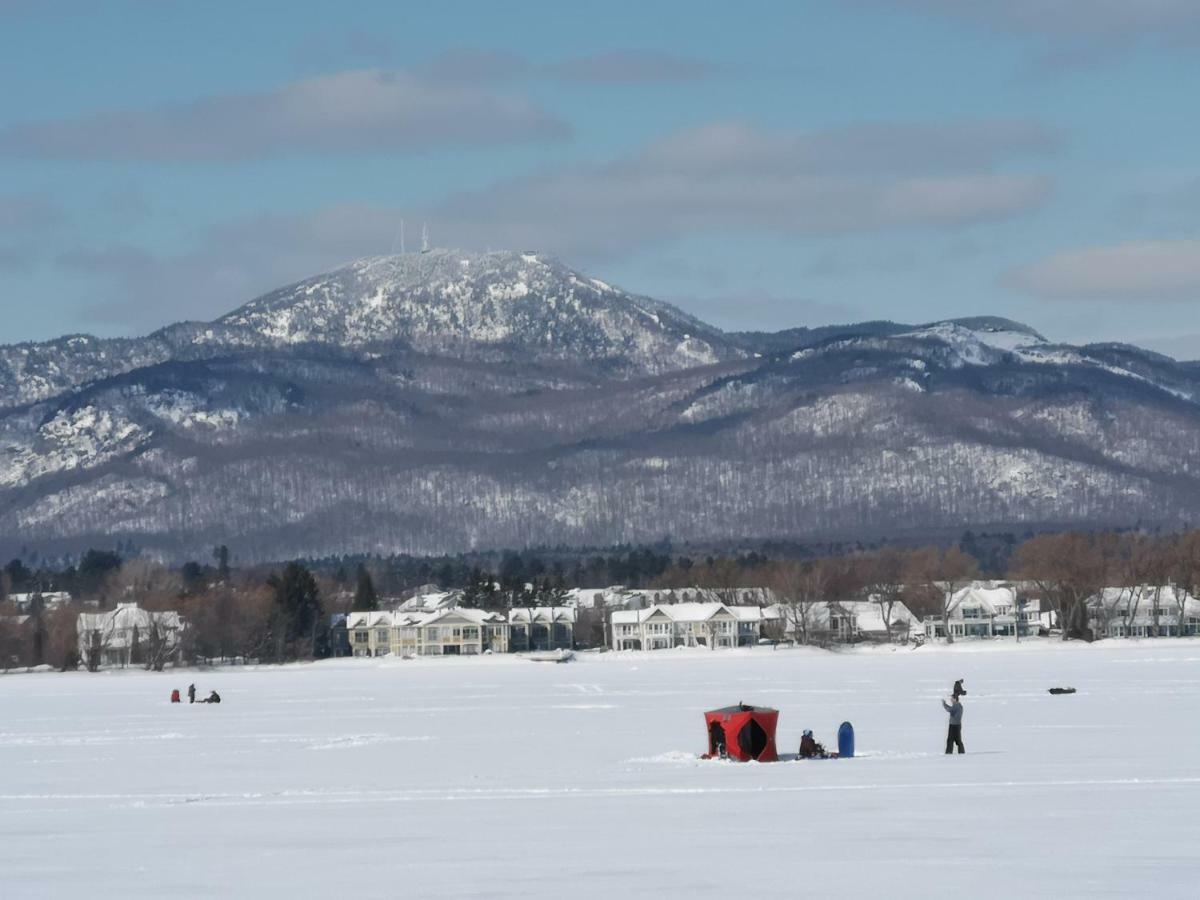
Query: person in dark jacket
x=809 y=748
x=959 y=690
x=214 y=697
x=191 y=693
x=954 y=735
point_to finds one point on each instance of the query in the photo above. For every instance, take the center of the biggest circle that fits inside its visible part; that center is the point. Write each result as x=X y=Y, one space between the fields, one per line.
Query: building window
x=361 y=637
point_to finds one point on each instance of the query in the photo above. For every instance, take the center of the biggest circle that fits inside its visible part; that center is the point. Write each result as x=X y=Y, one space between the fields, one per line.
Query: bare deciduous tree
x=934 y=576
x=801 y=587
x=1067 y=569
x=882 y=579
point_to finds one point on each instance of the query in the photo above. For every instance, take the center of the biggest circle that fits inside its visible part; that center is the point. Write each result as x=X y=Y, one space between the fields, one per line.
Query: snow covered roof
x=370 y=619
x=1140 y=601
x=478 y=616
x=988 y=599
x=693 y=612
x=523 y=614
x=430 y=601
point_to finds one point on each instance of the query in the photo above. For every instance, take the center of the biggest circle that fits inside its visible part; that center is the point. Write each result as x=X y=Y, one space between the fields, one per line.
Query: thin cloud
x=362 y=111
x=230 y=264
x=25 y=221
x=1133 y=271
x=1094 y=20
x=353 y=48
x=618 y=67
x=732 y=176
x=28 y=212
x=632 y=67
x=1076 y=34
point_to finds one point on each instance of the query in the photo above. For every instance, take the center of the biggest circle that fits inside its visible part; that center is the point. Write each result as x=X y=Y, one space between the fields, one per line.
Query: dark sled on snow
x=1057 y=691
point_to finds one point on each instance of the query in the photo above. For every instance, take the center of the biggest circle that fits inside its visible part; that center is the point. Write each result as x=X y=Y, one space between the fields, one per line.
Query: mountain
x=447 y=401
x=508 y=304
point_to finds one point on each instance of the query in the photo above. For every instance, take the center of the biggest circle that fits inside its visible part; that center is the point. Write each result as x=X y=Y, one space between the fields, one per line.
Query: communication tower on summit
x=424 y=238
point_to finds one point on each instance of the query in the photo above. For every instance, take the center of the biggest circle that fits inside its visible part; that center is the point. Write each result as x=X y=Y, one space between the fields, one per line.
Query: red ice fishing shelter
x=742 y=732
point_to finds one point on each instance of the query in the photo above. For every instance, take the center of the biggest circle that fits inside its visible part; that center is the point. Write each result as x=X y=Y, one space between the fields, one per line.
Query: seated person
x=809 y=748
x=214 y=697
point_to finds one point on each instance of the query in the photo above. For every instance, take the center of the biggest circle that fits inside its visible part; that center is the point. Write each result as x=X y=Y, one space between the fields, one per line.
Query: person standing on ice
x=954 y=735
x=191 y=693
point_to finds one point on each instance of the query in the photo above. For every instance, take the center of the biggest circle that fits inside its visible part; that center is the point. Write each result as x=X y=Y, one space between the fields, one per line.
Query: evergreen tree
x=19 y=577
x=365 y=598
x=297 y=610
x=221 y=555
x=94 y=568
x=193 y=576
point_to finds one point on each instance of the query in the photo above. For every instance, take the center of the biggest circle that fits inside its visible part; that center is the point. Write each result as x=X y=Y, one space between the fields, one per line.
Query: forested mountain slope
x=437 y=402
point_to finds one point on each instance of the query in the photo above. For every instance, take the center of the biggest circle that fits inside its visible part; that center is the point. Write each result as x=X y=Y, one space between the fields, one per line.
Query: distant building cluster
x=435 y=623
x=454 y=631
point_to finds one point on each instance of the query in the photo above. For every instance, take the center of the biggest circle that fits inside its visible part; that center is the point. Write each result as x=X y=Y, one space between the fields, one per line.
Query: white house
x=129 y=635
x=1144 y=611
x=985 y=609
x=370 y=633
x=460 y=631
x=711 y=625
x=447 y=632
x=845 y=621
x=541 y=628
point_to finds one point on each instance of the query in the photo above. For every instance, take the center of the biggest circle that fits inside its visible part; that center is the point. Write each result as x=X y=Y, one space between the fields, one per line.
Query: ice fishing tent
x=743 y=732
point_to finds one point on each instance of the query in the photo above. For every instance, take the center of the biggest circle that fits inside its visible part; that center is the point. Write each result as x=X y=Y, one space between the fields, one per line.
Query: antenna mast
x=424 y=237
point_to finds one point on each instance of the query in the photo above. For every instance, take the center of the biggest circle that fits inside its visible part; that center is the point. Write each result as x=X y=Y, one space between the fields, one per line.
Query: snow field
x=499 y=777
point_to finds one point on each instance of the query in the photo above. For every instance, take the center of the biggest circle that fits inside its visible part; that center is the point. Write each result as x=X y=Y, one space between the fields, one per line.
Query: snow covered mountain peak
x=454 y=301
x=979 y=341
x=986 y=331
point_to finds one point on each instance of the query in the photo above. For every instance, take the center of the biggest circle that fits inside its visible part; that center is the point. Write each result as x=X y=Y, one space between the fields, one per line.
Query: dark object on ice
x=214 y=697
x=742 y=732
x=959 y=690
x=1062 y=690
x=954 y=734
x=809 y=748
x=191 y=693
x=175 y=695
x=846 y=740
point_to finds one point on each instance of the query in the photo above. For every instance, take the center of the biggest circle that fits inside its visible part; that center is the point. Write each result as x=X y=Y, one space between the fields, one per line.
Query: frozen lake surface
x=500 y=777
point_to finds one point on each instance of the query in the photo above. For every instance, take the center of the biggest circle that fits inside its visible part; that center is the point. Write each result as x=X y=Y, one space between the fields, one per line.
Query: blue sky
x=764 y=166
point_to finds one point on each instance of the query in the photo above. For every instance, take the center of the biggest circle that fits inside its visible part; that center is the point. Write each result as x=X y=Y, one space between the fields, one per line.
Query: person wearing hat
x=809 y=748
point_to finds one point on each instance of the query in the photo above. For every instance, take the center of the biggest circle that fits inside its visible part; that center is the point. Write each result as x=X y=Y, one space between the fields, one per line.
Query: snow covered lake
x=500 y=777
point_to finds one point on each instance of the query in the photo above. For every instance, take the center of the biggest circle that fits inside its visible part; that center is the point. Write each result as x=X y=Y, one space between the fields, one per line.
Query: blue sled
x=846 y=741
